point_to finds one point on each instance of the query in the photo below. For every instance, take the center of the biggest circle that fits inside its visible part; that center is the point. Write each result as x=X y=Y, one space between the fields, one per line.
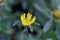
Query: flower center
x=27 y=22
x=56 y=14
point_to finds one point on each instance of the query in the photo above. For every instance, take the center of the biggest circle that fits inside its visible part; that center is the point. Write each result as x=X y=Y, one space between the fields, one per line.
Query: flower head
x=27 y=21
x=1 y=1
x=56 y=14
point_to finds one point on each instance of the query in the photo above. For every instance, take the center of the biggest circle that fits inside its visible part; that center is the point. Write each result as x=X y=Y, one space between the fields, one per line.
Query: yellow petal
x=29 y=16
x=24 y=16
x=33 y=19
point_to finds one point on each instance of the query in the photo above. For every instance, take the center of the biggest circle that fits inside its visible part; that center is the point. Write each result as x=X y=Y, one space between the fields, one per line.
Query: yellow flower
x=27 y=21
x=56 y=14
x=1 y=1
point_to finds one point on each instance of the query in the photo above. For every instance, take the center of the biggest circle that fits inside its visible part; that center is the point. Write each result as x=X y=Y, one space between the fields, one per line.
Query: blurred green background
x=46 y=27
